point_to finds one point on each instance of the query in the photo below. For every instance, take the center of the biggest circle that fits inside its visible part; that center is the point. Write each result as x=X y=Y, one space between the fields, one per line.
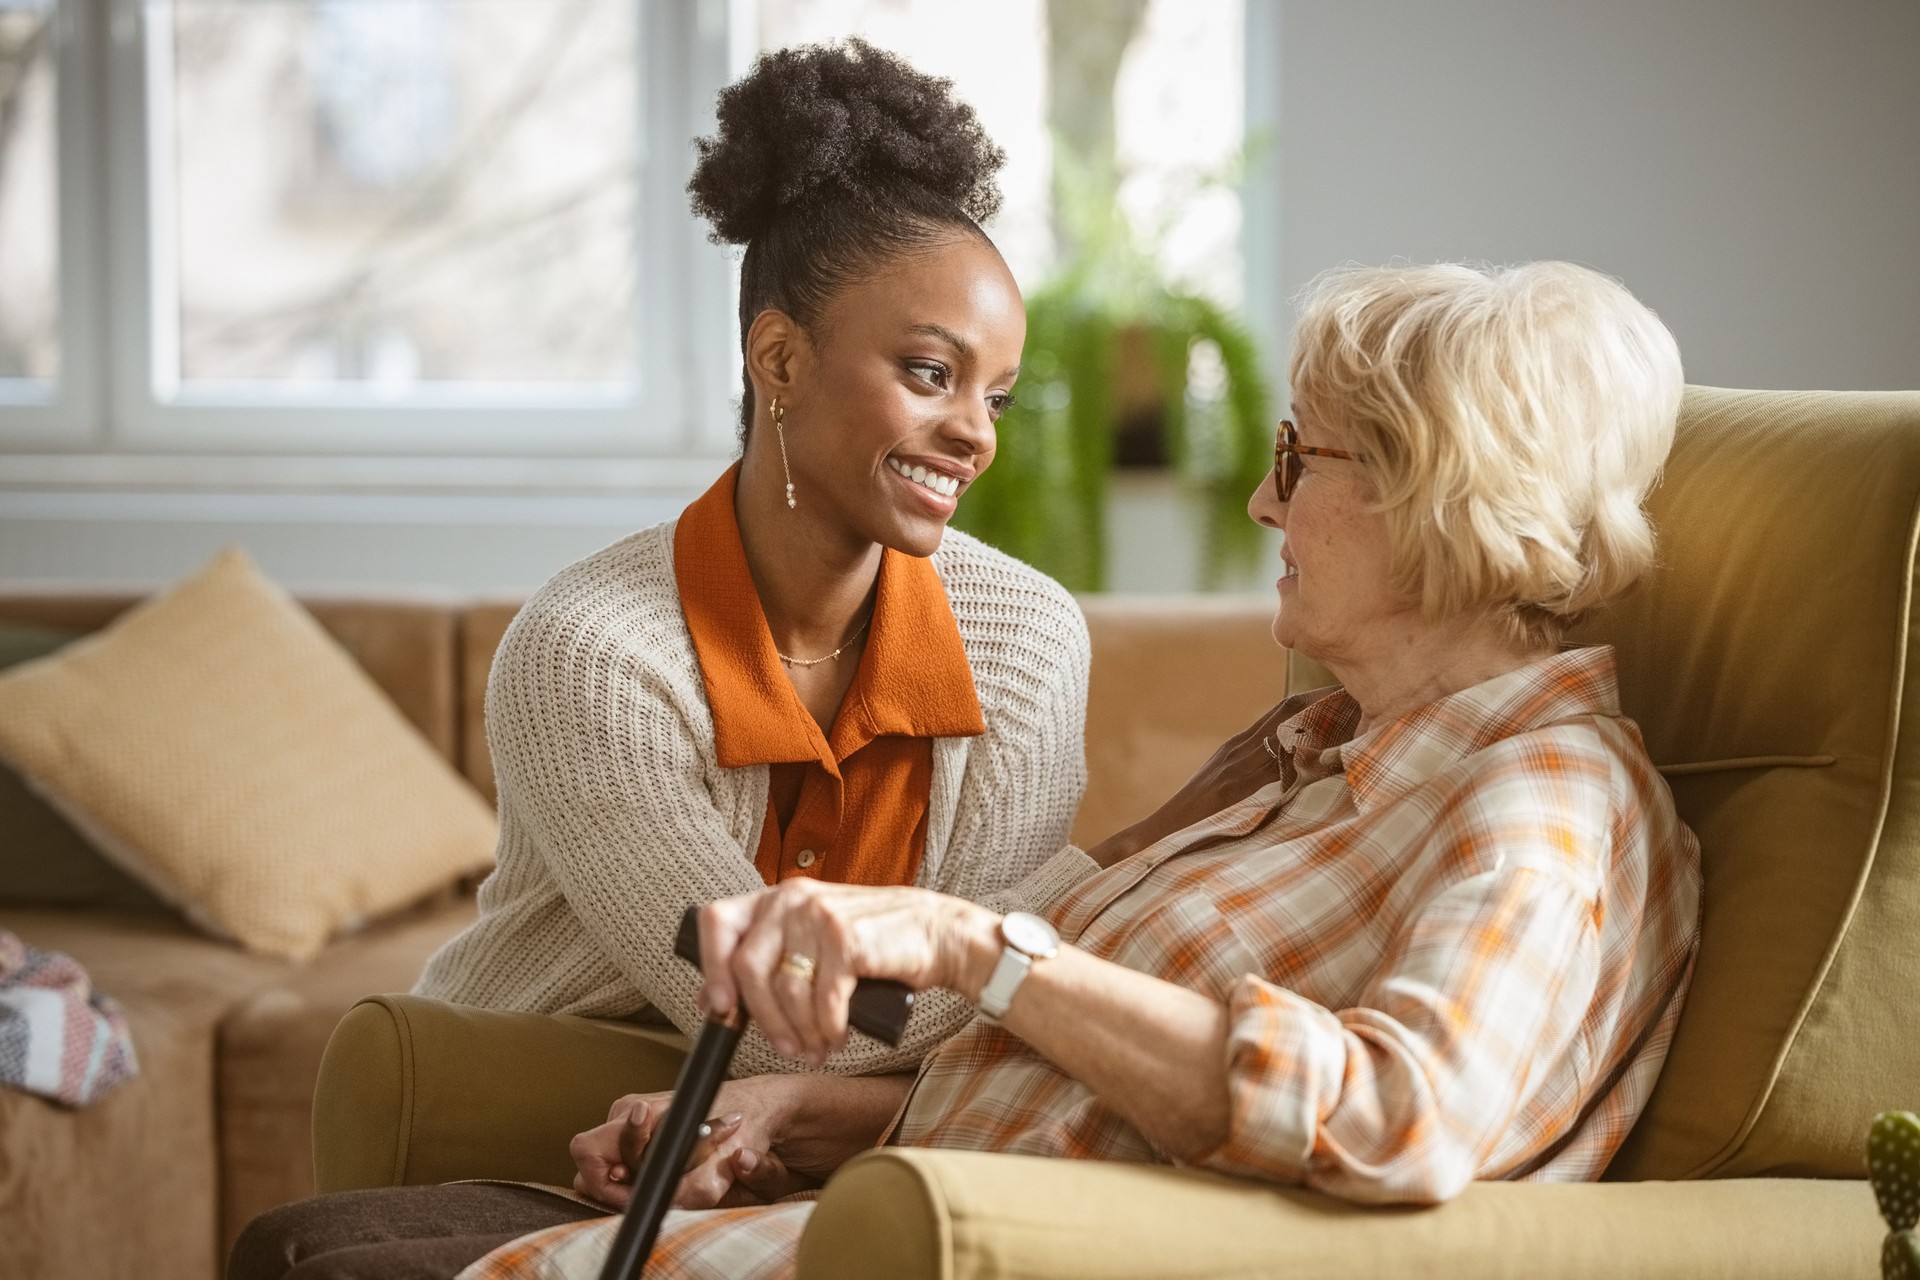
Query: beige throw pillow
x=228 y=753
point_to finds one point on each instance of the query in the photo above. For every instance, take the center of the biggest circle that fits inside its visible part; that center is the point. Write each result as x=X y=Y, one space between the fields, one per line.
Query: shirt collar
x=1392 y=758
x=913 y=680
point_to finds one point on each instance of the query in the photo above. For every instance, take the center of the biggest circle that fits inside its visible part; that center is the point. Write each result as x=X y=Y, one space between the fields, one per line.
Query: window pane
x=29 y=270
x=386 y=193
x=1179 y=127
x=1175 y=110
x=996 y=56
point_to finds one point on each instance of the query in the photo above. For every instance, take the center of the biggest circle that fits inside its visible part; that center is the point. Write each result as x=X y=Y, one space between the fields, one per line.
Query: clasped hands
x=734 y=1162
x=773 y=1135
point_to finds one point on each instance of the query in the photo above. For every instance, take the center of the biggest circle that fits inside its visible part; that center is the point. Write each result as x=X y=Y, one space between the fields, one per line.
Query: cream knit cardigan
x=615 y=815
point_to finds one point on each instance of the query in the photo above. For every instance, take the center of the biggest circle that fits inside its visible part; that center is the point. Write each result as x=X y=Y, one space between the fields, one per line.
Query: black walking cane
x=879 y=1008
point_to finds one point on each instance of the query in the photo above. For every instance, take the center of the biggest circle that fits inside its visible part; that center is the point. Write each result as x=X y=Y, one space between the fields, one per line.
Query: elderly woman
x=1430 y=926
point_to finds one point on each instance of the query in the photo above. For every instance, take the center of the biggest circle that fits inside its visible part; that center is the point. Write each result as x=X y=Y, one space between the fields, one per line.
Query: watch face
x=1029 y=934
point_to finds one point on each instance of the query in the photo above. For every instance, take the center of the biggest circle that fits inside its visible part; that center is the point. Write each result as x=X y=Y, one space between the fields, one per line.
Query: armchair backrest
x=1767 y=661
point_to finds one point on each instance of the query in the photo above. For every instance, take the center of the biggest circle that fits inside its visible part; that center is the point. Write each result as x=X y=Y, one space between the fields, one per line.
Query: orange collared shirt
x=861 y=815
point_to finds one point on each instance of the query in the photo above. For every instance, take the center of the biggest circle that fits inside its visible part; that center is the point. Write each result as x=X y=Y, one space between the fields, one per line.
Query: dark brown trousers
x=394 y=1233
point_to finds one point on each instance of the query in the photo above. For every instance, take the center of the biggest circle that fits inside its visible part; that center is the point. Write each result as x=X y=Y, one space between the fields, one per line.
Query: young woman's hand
x=791 y=954
x=771 y=1136
x=734 y=1164
x=1241 y=766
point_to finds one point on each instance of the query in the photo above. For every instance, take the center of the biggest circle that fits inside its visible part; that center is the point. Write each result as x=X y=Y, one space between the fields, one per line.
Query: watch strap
x=1008 y=974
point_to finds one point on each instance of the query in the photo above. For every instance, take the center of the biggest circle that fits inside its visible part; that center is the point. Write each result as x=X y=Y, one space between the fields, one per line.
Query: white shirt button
x=805 y=858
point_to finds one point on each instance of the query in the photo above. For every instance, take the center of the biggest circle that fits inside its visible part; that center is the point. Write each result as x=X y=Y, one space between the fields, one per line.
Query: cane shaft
x=667 y=1150
x=878 y=1007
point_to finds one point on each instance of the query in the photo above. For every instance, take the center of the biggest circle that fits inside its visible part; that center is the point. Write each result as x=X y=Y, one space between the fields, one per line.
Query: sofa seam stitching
x=403 y=1149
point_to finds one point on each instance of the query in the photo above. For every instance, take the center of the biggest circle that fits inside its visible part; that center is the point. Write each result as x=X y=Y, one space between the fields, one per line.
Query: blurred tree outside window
x=29 y=246
x=388 y=193
x=1159 y=81
x=384 y=88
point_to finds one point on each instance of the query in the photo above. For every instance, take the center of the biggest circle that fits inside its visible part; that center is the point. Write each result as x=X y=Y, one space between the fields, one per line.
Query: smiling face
x=891 y=398
x=1338 y=604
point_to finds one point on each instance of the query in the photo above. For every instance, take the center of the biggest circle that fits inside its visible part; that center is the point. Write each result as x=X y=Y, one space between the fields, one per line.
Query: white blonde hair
x=1512 y=420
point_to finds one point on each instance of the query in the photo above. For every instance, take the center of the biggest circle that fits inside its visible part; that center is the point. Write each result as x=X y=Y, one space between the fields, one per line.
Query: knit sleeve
x=602 y=775
x=1028 y=644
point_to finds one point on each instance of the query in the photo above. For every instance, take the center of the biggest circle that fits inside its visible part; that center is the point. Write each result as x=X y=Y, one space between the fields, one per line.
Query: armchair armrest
x=954 y=1215
x=417 y=1091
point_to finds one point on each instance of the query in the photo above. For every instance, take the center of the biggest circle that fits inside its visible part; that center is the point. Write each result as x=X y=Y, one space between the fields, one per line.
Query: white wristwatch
x=1028 y=938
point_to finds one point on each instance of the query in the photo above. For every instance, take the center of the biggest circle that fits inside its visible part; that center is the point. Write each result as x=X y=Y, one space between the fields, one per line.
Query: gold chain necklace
x=832 y=657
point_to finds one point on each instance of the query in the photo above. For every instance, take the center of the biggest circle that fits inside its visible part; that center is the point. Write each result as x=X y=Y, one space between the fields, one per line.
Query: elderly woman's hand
x=792 y=954
x=1241 y=766
x=1152 y=1048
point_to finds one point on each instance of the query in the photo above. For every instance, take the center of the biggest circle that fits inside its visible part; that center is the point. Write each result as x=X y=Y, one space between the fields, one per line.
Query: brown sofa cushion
x=898 y=1213
x=482 y=626
x=1780 y=625
x=270 y=1047
x=1172 y=678
x=158 y=1178
x=129 y=1186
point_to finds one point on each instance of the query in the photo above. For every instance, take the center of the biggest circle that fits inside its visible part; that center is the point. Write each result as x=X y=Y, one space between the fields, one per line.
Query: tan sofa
x=1767 y=663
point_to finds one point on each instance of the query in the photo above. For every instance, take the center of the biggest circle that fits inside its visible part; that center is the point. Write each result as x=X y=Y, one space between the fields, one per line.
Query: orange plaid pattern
x=1453 y=947
x=708 y=1244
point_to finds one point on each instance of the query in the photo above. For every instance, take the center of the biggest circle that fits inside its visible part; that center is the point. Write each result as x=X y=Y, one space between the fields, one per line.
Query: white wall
x=1750 y=168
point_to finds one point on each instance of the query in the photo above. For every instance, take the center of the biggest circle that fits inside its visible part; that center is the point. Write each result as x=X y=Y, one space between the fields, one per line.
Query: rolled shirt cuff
x=1285 y=1061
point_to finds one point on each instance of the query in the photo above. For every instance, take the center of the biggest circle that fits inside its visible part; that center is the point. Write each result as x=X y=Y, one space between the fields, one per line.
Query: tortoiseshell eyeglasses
x=1286 y=459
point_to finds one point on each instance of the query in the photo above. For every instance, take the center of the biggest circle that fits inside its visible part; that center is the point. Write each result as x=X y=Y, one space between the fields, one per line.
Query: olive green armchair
x=1766 y=662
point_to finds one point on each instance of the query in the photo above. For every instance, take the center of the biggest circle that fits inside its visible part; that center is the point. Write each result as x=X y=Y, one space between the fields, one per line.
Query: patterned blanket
x=58 y=1038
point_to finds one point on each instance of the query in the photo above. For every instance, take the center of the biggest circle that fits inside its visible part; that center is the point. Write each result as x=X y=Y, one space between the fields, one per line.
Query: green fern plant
x=1045 y=497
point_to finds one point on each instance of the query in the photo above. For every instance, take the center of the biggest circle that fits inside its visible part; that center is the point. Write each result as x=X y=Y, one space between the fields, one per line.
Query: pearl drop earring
x=779 y=428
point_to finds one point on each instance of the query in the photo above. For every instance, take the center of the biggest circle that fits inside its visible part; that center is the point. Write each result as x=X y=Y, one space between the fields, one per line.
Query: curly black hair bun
x=841 y=122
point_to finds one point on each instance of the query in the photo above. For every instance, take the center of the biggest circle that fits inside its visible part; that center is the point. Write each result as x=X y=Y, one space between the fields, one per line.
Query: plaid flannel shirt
x=1452 y=947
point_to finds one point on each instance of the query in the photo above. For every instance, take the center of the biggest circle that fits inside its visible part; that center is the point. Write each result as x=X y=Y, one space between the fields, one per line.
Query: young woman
x=806 y=675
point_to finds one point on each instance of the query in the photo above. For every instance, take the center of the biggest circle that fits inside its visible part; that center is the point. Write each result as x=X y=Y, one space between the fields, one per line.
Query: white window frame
x=69 y=414
x=112 y=395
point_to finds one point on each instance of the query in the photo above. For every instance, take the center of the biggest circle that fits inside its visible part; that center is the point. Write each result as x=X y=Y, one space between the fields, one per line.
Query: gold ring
x=798 y=966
